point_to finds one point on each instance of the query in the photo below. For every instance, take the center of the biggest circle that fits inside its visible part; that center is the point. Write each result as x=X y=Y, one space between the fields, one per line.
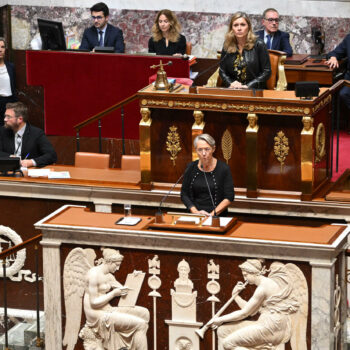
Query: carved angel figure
x=106 y=327
x=281 y=298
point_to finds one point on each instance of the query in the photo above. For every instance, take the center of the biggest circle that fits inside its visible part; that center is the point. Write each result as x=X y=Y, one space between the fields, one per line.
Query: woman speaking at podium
x=166 y=38
x=207 y=187
x=245 y=62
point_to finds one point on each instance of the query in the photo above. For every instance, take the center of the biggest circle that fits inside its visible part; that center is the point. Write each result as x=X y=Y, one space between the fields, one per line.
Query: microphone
x=159 y=214
x=212 y=201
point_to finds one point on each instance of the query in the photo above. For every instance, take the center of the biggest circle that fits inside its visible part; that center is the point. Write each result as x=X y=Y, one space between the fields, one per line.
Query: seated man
x=274 y=39
x=340 y=52
x=102 y=33
x=19 y=138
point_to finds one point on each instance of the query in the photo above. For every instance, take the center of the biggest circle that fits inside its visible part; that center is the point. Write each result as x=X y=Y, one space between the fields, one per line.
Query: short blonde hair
x=174 y=30
x=231 y=43
x=204 y=137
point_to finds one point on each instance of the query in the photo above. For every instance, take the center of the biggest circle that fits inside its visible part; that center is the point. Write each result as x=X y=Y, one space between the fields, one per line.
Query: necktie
x=100 y=43
x=268 y=42
x=18 y=145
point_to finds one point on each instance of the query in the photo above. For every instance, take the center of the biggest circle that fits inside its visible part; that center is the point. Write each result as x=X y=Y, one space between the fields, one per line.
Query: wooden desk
x=256 y=167
x=320 y=258
x=309 y=71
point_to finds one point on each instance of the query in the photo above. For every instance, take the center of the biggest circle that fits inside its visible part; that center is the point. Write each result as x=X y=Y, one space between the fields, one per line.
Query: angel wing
x=78 y=262
x=299 y=319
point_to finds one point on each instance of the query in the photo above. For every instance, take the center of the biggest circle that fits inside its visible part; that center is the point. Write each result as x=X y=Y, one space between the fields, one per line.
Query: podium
x=275 y=144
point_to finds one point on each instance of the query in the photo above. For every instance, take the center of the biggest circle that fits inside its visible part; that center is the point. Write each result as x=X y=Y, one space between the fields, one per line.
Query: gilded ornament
x=251 y=108
x=306 y=110
x=281 y=148
x=173 y=143
x=197 y=105
x=226 y=145
x=279 y=109
x=320 y=146
x=144 y=102
x=224 y=106
x=170 y=103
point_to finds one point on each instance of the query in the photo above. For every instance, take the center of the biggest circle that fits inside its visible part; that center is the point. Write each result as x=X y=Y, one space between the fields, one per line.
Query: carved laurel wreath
x=281 y=147
x=21 y=254
x=173 y=143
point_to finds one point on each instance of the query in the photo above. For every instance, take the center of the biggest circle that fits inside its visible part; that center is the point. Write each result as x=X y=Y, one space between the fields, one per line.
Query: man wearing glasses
x=102 y=33
x=21 y=139
x=274 y=38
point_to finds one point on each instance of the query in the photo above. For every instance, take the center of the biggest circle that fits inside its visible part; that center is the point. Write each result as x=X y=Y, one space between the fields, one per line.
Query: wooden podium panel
x=285 y=151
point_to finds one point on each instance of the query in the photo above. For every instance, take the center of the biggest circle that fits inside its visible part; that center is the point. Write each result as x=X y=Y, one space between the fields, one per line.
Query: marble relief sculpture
x=93 y=287
x=281 y=299
x=183 y=325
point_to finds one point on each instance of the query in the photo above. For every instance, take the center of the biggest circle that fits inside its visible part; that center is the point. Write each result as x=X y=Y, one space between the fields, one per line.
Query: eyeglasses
x=96 y=17
x=203 y=150
x=272 y=20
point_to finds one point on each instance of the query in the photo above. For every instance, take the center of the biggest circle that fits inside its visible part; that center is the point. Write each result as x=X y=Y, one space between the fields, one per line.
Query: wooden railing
x=3 y=255
x=99 y=116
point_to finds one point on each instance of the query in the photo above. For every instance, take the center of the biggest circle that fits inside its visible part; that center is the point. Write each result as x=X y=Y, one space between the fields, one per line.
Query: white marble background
x=202 y=22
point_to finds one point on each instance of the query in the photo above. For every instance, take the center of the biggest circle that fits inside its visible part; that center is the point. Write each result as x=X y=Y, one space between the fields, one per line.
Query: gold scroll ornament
x=173 y=143
x=320 y=141
x=281 y=147
x=226 y=145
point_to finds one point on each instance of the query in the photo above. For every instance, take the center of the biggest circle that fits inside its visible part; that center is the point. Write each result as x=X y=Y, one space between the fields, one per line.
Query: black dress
x=160 y=48
x=252 y=68
x=194 y=190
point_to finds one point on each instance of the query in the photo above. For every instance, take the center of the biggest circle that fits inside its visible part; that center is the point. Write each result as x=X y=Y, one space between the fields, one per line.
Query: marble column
x=52 y=295
x=322 y=305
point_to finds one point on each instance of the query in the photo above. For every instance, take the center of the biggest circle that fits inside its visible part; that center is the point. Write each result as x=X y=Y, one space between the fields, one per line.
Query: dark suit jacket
x=34 y=143
x=342 y=51
x=113 y=37
x=280 y=41
x=11 y=72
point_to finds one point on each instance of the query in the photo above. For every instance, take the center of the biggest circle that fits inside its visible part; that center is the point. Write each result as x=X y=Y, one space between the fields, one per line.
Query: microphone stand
x=159 y=213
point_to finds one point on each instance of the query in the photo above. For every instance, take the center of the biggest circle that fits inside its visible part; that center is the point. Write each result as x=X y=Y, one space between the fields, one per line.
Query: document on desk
x=38 y=172
x=133 y=283
x=223 y=221
x=59 y=175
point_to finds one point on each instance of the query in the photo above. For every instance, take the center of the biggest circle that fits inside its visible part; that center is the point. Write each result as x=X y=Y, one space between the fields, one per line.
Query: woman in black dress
x=207 y=171
x=245 y=61
x=166 y=38
x=7 y=81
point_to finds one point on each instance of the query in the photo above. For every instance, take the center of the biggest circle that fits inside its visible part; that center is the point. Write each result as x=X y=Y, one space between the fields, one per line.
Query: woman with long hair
x=7 y=81
x=245 y=61
x=166 y=38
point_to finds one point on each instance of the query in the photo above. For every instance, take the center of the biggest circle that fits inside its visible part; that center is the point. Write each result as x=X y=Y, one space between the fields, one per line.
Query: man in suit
x=102 y=33
x=19 y=138
x=340 y=52
x=274 y=38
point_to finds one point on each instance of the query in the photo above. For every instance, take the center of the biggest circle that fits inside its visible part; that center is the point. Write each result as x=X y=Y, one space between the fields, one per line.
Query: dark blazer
x=113 y=37
x=160 y=49
x=11 y=72
x=342 y=51
x=34 y=143
x=280 y=41
x=258 y=66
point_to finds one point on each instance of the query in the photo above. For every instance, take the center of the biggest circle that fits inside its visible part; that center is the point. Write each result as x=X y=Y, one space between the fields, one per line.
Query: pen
x=26 y=156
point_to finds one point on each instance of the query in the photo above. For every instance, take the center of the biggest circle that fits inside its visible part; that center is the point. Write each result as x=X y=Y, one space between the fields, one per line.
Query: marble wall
x=205 y=30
